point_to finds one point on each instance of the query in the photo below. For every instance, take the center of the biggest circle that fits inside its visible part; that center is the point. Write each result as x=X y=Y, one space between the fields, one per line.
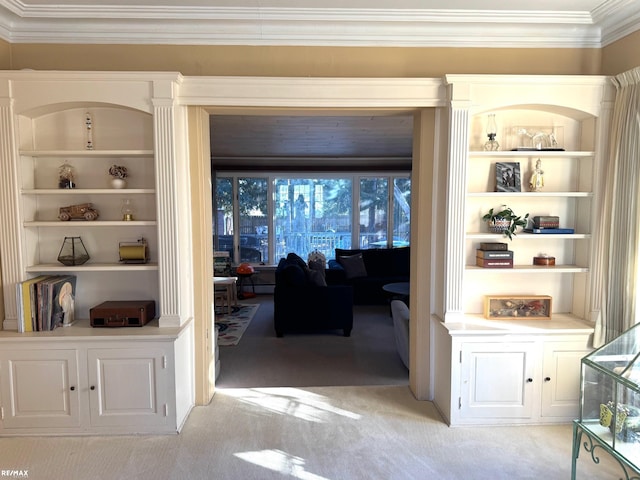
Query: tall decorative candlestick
x=88 y=123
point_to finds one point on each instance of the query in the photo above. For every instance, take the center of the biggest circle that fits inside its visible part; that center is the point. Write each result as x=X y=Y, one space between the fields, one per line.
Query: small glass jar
x=127 y=210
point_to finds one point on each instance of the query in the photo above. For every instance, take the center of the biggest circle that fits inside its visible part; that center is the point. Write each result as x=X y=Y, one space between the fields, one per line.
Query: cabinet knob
x=92 y=387
x=529 y=380
x=547 y=379
x=72 y=388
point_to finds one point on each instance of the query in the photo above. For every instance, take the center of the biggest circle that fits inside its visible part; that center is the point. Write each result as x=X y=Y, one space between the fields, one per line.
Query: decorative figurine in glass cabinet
x=610 y=404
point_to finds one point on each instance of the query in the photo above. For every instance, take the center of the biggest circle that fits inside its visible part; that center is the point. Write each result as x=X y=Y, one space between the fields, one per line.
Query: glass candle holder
x=492 y=144
x=127 y=210
x=66 y=176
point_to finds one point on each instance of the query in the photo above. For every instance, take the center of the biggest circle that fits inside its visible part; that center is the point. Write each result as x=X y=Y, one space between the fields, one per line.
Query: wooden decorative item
x=515 y=307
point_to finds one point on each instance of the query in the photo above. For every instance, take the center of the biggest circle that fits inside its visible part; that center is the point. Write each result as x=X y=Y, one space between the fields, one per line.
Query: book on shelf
x=494 y=263
x=45 y=302
x=25 y=311
x=494 y=254
x=549 y=231
x=546 y=222
x=494 y=246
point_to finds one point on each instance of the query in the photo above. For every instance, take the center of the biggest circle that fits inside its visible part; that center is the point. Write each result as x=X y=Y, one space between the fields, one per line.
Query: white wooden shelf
x=93 y=267
x=531 y=153
x=90 y=224
x=87 y=153
x=526 y=236
x=531 y=269
x=88 y=191
x=531 y=194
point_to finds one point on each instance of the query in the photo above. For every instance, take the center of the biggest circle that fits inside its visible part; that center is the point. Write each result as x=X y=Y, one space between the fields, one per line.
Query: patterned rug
x=232 y=326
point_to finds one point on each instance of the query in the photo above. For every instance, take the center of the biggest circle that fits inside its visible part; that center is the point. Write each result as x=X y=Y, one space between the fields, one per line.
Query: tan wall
x=622 y=55
x=306 y=61
x=5 y=55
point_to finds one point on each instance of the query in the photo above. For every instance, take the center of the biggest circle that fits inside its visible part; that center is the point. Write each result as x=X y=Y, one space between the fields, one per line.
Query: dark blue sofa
x=381 y=266
x=303 y=303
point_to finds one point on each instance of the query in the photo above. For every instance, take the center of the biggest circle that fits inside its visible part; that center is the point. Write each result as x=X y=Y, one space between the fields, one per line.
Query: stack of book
x=46 y=302
x=494 y=255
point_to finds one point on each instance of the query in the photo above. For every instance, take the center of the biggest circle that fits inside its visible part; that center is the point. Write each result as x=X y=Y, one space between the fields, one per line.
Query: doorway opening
x=296 y=145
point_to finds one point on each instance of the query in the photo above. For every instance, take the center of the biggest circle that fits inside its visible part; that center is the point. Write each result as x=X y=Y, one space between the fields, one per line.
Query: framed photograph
x=514 y=307
x=508 y=177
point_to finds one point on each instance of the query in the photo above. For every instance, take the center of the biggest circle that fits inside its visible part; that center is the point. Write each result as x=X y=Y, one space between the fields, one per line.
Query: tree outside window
x=312 y=214
x=308 y=214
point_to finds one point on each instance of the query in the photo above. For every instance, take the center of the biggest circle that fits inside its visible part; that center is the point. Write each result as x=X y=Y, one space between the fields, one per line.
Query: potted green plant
x=505 y=221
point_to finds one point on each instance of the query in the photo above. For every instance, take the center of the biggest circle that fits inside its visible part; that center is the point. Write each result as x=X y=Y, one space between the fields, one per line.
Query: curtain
x=619 y=222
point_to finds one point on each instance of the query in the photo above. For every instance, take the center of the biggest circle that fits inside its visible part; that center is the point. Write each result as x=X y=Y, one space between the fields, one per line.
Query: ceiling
x=463 y=23
x=324 y=142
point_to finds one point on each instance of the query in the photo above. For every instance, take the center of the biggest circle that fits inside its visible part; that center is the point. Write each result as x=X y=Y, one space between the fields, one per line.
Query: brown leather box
x=123 y=313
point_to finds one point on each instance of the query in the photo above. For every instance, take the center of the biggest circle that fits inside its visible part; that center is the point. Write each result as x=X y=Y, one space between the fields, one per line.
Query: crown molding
x=197 y=25
x=617 y=19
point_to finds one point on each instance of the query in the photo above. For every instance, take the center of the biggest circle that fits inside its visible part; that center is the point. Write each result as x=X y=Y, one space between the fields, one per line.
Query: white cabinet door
x=561 y=378
x=39 y=388
x=128 y=387
x=496 y=380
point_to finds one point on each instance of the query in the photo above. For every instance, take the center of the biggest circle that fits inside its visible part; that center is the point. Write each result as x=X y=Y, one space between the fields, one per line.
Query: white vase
x=118 y=183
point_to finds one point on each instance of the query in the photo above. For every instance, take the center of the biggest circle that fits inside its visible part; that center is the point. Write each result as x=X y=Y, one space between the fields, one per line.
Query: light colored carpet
x=232 y=325
x=322 y=433
x=262 y=432
x=367 y=357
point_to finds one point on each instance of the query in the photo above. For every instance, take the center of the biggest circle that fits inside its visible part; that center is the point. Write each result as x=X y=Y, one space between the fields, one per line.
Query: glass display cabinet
x=609 y=419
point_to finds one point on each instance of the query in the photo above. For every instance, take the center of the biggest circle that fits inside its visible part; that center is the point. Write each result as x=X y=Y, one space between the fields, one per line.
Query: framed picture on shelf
x=515 y=307
x=508 y=177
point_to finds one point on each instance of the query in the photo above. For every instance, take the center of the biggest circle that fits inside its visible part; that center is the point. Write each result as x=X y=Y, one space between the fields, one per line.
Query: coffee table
x=397 y=291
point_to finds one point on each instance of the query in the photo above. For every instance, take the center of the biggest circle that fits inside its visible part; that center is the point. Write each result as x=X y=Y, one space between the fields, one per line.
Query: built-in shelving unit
x=81 y=380
x=567 y=193
x=120 y=136
x=520 y=370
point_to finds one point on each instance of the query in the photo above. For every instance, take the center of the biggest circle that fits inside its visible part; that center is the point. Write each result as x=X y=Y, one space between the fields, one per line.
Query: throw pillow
x=293 y=258
x=318 y=266
x=353 y=266
x=316 y=278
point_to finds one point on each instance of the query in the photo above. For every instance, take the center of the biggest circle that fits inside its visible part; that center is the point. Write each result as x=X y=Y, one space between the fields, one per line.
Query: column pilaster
x=456 y=199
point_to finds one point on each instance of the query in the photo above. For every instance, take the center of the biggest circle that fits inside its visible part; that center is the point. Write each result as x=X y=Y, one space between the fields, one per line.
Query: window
x=377 y=229
x=401 y=224
x=312 y=214
x=374 y=211
x=308 y=213
x=250 y=239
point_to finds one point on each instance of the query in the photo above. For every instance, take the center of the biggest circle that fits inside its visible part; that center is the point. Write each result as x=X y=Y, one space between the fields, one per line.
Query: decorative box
x=544 y=260
x=123 y=313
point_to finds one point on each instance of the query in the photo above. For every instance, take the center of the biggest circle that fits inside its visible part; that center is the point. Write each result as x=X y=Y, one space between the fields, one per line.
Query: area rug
x=232 y=326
